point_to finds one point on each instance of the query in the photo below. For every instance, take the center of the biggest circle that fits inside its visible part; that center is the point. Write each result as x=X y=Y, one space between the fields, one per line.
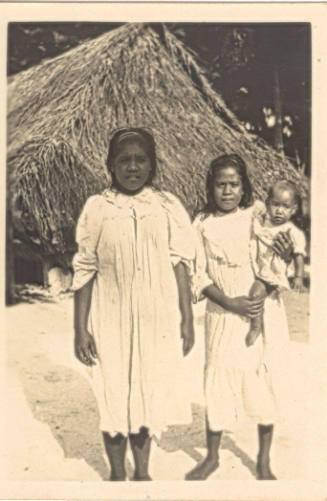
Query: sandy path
x=52 y=419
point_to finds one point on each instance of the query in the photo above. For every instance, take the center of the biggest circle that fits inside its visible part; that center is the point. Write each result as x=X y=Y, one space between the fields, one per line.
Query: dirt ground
x=52 y=418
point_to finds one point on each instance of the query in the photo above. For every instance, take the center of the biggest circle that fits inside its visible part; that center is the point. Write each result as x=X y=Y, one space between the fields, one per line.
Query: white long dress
x=239 y=380
x=129 y=244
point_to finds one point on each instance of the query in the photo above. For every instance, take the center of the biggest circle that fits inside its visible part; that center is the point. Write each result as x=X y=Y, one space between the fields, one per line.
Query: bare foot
x=264 y=472
x=251 y=336
x=203 y=470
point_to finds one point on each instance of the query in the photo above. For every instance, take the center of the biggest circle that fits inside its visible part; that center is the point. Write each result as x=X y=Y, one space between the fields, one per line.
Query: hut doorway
x=28 y=271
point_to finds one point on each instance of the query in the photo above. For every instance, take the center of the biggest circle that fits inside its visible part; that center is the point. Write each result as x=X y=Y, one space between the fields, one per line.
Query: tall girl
x=237 y=376
x=132 y=303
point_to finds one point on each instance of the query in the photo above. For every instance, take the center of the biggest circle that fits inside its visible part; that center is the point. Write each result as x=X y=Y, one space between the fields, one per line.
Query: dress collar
x=228 y=215
x=119 y=199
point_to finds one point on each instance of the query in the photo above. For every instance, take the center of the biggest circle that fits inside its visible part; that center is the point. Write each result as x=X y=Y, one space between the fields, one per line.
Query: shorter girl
x=238 y=379
x=282 y=204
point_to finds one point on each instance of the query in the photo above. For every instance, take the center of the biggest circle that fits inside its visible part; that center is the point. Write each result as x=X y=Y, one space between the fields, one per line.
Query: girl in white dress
x=238 y=378
x=132 y=301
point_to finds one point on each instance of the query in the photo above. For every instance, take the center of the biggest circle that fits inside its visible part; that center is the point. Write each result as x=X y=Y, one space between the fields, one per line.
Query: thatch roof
x=61 y=114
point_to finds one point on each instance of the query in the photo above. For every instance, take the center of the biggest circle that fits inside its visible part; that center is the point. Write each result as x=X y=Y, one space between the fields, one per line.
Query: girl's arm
x=299 y=272
x=185 y=306
x=85 y=349
x=283 y=246
x=241 y=305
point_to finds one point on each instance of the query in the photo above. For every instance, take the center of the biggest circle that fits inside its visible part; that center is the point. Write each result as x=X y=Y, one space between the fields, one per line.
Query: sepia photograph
x=159 y=283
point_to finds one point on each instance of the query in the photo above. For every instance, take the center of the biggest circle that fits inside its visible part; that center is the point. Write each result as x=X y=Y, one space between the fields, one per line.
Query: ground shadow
x=63 y=399
x=190 y=437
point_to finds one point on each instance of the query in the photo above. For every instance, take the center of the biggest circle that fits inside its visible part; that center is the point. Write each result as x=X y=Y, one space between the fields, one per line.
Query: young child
x=282 y=204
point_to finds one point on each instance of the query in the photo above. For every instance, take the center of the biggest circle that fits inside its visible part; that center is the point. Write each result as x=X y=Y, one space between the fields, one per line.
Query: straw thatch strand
x=62 y=113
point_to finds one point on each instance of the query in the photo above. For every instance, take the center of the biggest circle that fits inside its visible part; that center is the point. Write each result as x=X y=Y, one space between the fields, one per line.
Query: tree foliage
x=240 y=60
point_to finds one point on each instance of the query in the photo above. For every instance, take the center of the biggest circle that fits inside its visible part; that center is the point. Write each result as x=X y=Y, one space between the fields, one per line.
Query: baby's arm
x=299 y=251
x=299 y=272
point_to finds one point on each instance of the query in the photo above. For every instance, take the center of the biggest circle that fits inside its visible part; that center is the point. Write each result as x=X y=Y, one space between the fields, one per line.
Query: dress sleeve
x=88 y=229
x=181 y=234
x=298 y=240
x=198 y=272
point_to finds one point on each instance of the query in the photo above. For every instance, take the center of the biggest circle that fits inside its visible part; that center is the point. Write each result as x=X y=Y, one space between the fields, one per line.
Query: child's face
x=281 y=206
x=131 y=166
x=228 y=189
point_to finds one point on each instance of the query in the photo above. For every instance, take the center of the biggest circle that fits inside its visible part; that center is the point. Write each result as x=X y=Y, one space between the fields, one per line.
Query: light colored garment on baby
x=267 y=265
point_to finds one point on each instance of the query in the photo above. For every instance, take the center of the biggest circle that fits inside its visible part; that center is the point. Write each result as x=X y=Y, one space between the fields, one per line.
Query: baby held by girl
x=270 y=219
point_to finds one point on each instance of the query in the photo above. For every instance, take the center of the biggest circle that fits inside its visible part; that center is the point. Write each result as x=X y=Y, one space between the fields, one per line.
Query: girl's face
x=131 y=166
x=281 y=206
x=228 y=189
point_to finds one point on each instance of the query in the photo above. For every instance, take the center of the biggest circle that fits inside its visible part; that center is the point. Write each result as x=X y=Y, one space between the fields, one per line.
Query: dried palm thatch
x=61 y=114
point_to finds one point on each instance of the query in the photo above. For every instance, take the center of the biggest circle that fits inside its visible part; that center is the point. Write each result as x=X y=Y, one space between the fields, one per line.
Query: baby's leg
x=257 y=291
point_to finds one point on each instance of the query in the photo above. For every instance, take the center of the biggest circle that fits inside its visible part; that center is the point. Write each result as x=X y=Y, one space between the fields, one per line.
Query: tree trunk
x=278 y=140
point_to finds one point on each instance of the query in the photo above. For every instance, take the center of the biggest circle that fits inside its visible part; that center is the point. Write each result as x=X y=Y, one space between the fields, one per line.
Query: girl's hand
x=187 y=334
x=283 y=246
x=244 y=306
x=85 y=348
x=298 y=285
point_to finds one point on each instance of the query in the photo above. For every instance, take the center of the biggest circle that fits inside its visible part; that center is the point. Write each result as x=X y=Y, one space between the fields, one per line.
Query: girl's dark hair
x=139 y=135
x=298 y=217
x=231 y=160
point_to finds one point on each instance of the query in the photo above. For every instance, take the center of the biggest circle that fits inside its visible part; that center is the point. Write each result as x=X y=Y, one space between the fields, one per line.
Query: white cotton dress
x=129 y=244
x=239 y=380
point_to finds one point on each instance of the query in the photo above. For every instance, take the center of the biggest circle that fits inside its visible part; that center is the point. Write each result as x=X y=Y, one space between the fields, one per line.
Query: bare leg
x=265 y=434
x=211 y=462
x=116 y=450
x=141 y=445
x=257 y=291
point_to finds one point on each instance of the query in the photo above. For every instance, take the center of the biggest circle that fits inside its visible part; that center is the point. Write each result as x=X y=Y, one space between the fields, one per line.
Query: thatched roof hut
x=61 y=114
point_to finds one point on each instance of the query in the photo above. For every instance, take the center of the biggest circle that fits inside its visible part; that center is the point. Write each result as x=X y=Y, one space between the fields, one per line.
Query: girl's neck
x=120 y=189
x=221 y=213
